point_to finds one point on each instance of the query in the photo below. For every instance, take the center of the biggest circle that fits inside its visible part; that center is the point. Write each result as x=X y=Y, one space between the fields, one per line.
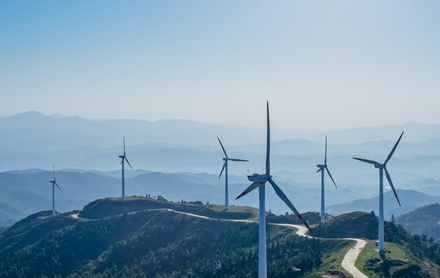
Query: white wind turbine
x=225 y=167
x=54 y=182
x=321 y=168
x=381 y=168
x=259 y=180
x=124 y=157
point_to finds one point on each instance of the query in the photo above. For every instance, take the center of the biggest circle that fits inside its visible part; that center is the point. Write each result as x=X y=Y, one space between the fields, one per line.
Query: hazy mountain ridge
x=78 y=187
x=424 y=220
x=410 y=200
x=33 y=140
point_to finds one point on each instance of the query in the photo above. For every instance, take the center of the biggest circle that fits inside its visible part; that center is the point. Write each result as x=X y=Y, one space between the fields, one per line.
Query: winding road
x=347 y=263
x=350 y=257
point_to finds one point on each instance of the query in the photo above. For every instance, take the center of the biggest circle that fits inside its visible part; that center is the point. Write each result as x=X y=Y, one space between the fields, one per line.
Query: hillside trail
x=347 y=263
x=350 y=257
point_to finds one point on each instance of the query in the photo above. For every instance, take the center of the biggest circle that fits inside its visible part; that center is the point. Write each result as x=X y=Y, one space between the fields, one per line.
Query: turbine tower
x=124 y=157
x=54 y=182
x=225 y=166
x=259 y=180
x=381 y=168
x=321 y=168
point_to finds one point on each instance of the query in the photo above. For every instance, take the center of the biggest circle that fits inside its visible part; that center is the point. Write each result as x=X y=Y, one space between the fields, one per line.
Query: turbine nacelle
x=260 y=178
x=379 y=166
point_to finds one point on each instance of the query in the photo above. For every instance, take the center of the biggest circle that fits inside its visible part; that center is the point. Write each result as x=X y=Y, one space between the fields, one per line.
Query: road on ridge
x=347 y=263
x=350 y=257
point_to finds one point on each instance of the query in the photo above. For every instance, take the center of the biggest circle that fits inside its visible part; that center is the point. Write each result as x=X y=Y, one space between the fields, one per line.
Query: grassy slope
x=364 y=225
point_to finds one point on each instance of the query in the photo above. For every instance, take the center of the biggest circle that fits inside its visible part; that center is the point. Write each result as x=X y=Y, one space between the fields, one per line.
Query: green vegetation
x=144 y=237
x=331 y=261
x=406 y=255
x=350 y=225
x=153 y=243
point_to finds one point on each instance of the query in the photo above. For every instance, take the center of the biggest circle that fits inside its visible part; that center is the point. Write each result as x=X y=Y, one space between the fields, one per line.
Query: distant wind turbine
x=321 y=168
x=124 y=157
x=259 y=180
x=382 y=167
x=54 y=182
x=225 y=166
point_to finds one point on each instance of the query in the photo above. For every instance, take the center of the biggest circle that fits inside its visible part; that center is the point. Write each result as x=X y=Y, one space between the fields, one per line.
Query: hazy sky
x=321 y=64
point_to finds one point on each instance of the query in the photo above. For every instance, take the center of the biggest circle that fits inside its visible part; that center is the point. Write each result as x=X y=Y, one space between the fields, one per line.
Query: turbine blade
x=392 y=151
x=331 y=176
x=123 y=137
x=235 y=159
x=53 y=171
x=221 y=172
x=325 y=157
x=222 y=147
x=249 y=189
x=319 y=170
x=366 y=160
x=128 y=162
x=57 y=186
x=268 y=142
x=392 y=186
x=283 y=197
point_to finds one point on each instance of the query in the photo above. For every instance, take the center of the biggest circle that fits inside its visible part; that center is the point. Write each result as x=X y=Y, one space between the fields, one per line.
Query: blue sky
x=323 y=65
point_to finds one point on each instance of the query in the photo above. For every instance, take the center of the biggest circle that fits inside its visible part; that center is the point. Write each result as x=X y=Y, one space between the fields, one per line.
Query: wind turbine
x=259 y=180
x=381 y=168
x=321 y=168
x=54 y=182
x=225 y=166
x=124 y=157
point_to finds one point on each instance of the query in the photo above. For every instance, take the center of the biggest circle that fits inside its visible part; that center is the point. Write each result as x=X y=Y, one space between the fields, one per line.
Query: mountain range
x=424 y=220
x=28 y=191
x=182 y=159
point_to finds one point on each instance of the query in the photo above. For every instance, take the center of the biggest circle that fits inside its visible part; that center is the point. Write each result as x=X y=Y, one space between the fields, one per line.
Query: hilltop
x=113 y=206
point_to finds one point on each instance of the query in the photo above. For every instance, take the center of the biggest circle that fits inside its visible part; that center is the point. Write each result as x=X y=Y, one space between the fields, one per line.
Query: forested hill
x=142 y=237
x=153 y=243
